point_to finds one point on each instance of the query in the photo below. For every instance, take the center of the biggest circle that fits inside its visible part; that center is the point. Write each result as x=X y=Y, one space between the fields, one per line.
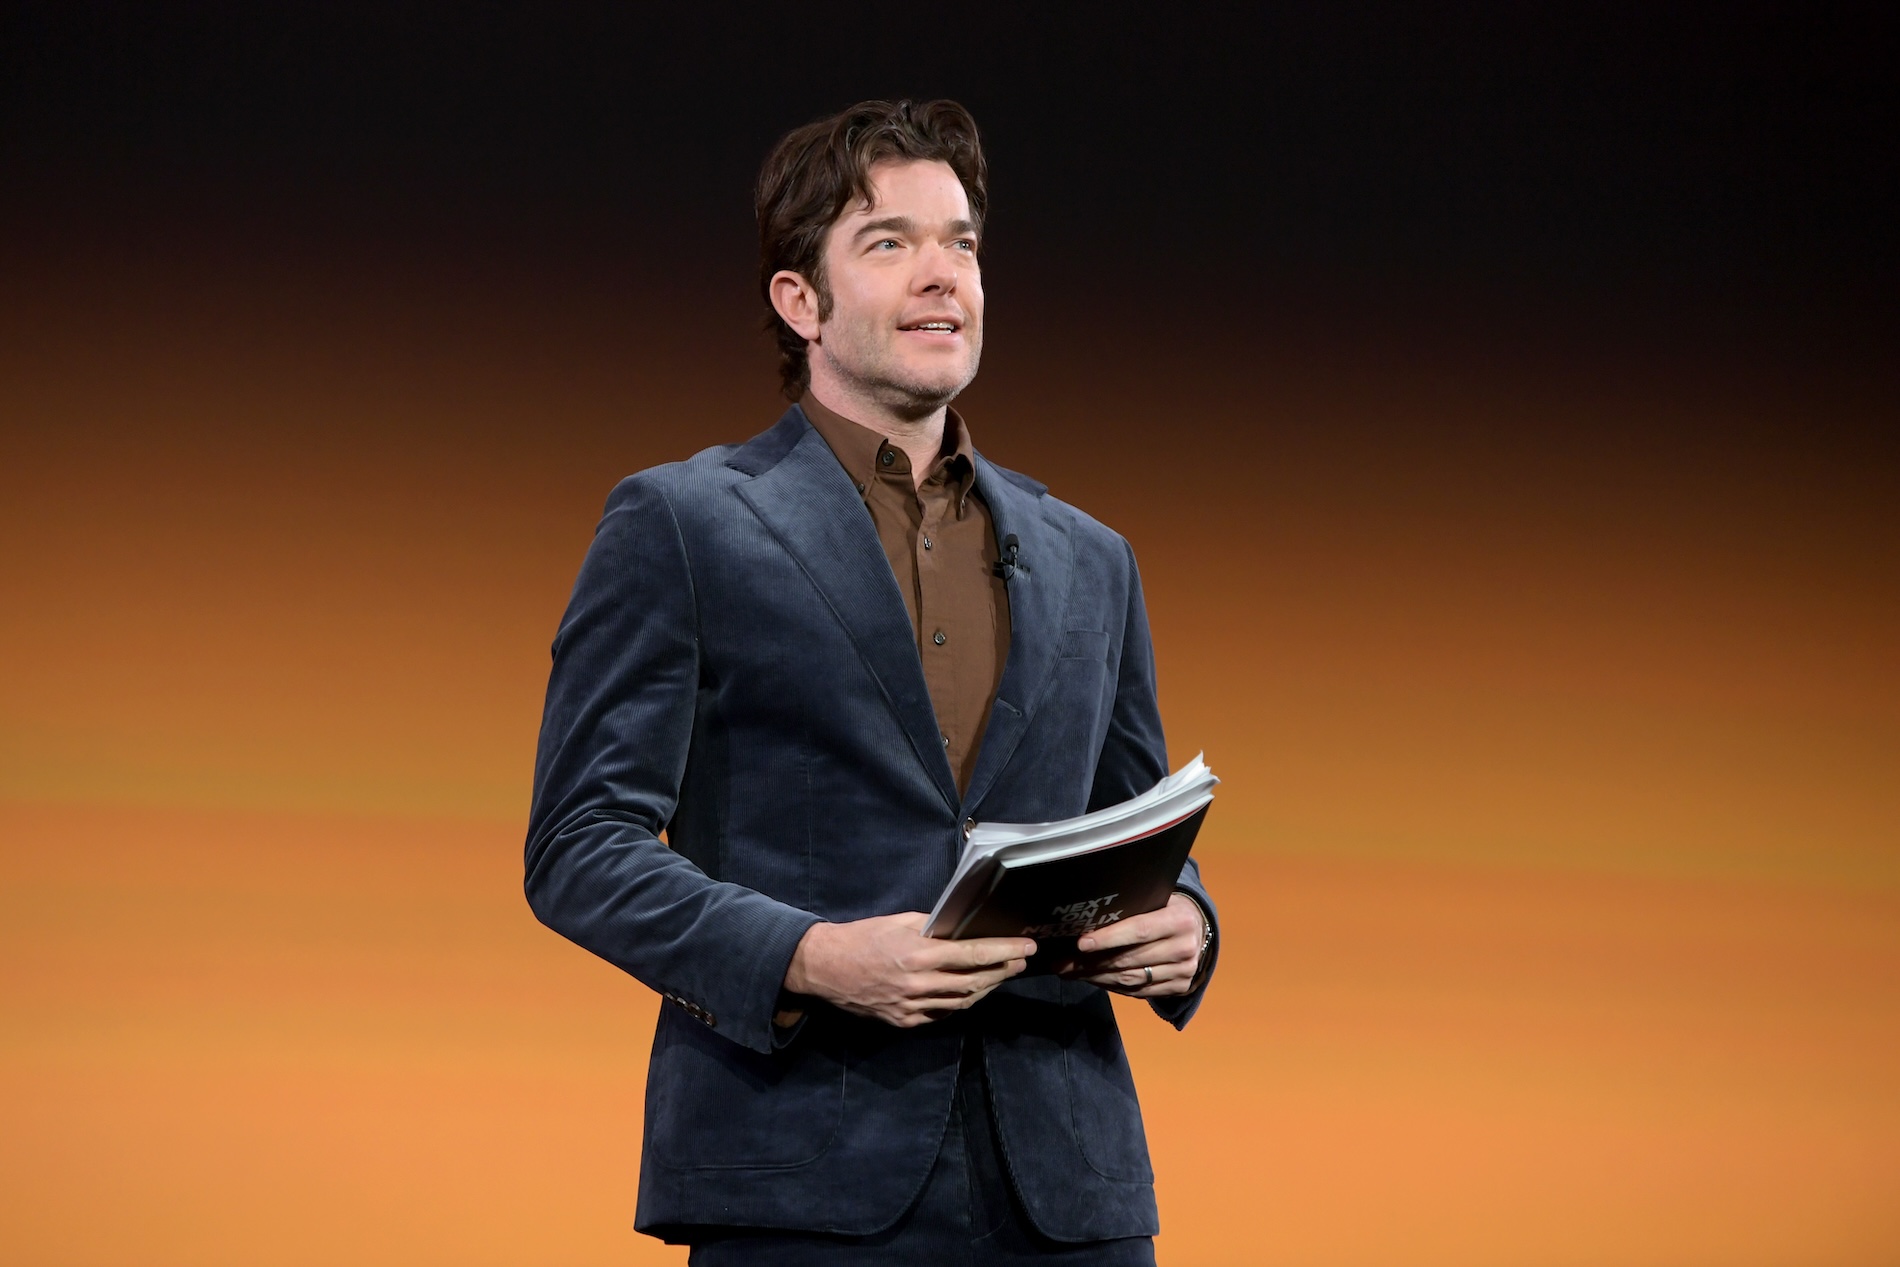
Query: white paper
x=1000 y=845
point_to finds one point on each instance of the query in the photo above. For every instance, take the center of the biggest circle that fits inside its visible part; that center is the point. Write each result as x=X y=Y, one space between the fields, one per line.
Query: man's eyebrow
x=889 y=224
x=904 y=224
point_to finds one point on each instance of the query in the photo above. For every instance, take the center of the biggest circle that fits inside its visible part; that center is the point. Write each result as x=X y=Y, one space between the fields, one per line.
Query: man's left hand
x=1147 y=956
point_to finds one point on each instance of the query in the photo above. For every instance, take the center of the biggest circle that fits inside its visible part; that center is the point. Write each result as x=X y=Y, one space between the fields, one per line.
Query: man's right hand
x=885 y=968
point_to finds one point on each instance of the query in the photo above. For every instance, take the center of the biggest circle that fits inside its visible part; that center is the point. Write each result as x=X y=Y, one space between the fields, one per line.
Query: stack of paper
x=1062 y=879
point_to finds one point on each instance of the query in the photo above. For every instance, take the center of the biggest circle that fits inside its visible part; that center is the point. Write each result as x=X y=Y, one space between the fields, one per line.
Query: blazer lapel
x=808 y=502
x=1038 y=597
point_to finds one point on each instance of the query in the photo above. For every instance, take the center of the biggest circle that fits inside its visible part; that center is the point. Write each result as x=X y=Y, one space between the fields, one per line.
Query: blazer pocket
x=1075 y=704
x=1084 y=644
x=1103 y=1110
x=712 y=1104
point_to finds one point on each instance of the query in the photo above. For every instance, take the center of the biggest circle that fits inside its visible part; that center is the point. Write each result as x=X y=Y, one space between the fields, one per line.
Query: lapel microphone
x=1005 y=567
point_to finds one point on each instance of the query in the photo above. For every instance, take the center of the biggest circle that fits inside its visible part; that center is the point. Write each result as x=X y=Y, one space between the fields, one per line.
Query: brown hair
x=814 y=173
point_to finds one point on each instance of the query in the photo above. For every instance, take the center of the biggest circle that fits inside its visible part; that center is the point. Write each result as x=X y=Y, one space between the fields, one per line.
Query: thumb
x=913 y=920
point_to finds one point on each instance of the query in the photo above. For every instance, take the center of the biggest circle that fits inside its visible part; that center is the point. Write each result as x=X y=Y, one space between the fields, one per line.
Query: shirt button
x=946 y=740
x=938 y=638
x=926 y=543
x=887 y=457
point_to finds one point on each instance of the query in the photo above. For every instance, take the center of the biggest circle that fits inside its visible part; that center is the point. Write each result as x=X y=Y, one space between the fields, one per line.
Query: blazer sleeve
x=614 y=739
x=1134 y=758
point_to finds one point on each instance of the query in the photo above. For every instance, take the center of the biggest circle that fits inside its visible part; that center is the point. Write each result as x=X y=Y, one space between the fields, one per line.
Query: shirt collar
x=860 y=450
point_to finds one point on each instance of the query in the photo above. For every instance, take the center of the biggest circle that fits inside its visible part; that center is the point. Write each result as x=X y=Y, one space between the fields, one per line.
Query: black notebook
x=1056 y=881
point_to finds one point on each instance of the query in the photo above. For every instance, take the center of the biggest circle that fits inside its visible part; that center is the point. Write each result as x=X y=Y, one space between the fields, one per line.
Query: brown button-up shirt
x=941 y=545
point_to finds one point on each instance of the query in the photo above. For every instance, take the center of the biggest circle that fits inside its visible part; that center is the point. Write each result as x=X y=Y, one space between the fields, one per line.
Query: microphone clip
x=1005 y=567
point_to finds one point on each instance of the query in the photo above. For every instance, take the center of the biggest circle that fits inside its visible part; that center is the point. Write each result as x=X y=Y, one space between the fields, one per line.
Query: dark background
x=1727 y=168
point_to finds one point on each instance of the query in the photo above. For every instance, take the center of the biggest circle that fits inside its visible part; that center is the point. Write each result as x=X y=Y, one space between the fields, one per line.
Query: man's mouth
x=933 y=327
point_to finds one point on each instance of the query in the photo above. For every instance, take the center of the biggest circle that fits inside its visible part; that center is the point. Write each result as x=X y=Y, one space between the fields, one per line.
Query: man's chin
x=910 y=391
x=917 y=403
x=923 y=394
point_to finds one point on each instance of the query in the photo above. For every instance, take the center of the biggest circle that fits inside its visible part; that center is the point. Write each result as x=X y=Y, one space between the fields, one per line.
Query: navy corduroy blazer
x=736 y=669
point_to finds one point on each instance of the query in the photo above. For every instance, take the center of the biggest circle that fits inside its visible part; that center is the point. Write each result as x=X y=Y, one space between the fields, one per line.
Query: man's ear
x=796 y=300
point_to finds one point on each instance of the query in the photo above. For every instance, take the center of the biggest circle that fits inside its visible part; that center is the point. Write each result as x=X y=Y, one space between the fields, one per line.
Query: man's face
x=906 y=323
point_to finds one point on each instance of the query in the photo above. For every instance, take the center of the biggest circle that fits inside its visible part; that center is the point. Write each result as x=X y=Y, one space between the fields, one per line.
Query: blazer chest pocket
x=1085 y=644
x=1073 y=713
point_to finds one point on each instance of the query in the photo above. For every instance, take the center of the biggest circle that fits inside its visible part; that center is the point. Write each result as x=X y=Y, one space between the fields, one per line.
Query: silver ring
x=1151 y=978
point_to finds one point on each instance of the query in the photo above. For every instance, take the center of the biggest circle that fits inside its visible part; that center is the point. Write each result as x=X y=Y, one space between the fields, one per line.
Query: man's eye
x=964 y=244
x=890 y=242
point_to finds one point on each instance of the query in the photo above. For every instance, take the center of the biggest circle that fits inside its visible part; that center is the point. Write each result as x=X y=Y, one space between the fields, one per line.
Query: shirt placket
x=932 y=620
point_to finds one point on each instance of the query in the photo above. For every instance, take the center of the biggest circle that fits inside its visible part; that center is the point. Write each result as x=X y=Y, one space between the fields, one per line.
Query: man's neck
x=921 y=439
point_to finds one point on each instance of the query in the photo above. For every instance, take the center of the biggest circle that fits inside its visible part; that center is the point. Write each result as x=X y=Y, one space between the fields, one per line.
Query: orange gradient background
x=1555 y=689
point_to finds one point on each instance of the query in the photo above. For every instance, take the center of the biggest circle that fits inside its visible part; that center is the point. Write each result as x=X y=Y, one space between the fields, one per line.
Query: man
x=808 y=661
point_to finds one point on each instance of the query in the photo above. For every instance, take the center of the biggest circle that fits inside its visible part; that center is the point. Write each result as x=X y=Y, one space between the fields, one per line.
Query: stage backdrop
x=1542 y=629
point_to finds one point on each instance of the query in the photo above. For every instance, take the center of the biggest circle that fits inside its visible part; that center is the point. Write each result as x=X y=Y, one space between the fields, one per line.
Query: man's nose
x=936 y=273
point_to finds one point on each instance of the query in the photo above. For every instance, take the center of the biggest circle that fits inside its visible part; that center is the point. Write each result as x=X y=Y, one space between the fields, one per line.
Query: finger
x=975 y=997
x=983 y=952
x=914 y=920
x=932 y=1009
x=1127 y=932
x=1178 y=918
x=1152 y=954
x=1159 y=990
x=939 y=985
x=1136 y=982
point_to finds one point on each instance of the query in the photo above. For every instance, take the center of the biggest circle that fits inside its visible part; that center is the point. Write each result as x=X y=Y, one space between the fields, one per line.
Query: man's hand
x=885 y=968
x=1166 y=942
